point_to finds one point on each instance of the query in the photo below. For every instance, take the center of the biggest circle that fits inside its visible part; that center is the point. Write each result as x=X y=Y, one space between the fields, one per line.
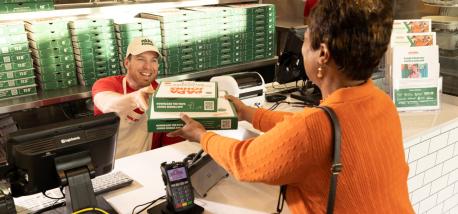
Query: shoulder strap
x=336 y=166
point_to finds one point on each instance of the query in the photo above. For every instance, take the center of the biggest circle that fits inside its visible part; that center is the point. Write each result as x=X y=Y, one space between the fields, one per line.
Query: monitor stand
x=75 y=172
x=162 y=208
x=309 y=94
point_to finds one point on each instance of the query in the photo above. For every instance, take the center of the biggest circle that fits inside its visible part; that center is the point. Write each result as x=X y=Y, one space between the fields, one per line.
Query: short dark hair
x=357 y=33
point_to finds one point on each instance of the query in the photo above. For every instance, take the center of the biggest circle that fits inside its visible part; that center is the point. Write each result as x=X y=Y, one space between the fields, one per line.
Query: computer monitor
x=67 y=153
x=290 y=68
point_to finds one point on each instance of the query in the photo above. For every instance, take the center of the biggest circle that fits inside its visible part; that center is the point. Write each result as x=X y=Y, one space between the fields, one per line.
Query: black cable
x=147 y=203
x=47 y=196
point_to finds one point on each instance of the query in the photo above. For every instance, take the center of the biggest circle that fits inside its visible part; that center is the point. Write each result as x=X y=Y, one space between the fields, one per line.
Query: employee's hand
x=192 y=130
x=140 y=97
x=244 y=112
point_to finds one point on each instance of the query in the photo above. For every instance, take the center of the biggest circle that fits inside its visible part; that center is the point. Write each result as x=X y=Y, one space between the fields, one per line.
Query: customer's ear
x=325 y=55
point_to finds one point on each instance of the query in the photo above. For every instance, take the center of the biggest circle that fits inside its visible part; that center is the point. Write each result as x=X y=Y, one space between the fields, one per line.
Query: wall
x=433 y=175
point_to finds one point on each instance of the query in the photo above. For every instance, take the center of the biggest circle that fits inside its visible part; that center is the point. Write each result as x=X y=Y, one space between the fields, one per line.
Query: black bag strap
x=336 y=166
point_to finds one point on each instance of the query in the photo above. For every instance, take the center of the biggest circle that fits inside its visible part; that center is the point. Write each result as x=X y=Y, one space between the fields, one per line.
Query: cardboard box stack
x=200 y=100
x=16 y=71
x=185 y=40
x=95 y=49
x=16 y=6
x=260 y=29
x=128 y=29
x=52 y=53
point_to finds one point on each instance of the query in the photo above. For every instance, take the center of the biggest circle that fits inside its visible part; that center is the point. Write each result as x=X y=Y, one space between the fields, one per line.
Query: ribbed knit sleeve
x=272 y=157
x=264 y=120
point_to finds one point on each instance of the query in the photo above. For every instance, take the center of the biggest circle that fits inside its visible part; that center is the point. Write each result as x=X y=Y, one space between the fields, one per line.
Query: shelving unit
x=52 y=97
x=46 y=98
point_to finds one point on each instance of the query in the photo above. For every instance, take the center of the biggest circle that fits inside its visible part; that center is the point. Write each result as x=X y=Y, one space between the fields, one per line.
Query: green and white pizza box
x=87 y=23
x=52 y=68
x=129 y=35
x=186 y=96
x=97 y=50
x=96 y=74
x=93 y=36
x=15 y=58
x=17 y=82
x=51 y=43
x=46 y=25
x=56 y=51
x=12 y=28
x=52 y=60
x=13 y=39
x=48 y=35
x=213 y=11
x=17 y=1
x=13 y=66
x=53 y=76
x=26 y=7
x=92 y=30
x=107 y=56
x=224 y=118
x=14 y=49
x=135 y=24
x=98 y=64
x=172 y=15
x=87 y=82
x=98 y=44
x=251 y=8
x=57 y=84
x=114 y=68
x=18 y=91
x=17 y=74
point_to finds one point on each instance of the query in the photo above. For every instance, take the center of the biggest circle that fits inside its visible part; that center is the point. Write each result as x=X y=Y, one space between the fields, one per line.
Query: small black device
x=180 y=196
x=275 y=97
x=178 y=186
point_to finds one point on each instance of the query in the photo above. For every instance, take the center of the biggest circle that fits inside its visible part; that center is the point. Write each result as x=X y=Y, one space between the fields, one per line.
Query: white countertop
x=415 y=124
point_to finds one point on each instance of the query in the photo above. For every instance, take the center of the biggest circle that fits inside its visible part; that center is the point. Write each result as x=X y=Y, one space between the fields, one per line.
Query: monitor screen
x=32 y=153
x=290 y=65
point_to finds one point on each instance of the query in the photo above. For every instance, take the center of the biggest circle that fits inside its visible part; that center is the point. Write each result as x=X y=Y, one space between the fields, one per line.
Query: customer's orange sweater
x=296 y=150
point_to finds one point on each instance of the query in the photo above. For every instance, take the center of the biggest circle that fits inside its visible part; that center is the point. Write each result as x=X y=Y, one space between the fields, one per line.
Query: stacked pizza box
x=199 y=100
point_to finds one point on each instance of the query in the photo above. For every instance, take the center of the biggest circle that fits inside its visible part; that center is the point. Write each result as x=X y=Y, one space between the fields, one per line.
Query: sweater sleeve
x=264 y=120
x=275 y=157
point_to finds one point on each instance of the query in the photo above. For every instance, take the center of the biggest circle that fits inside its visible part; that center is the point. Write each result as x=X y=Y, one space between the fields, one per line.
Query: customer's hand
x=141 y=96
x=192 y=130
x=244 y=112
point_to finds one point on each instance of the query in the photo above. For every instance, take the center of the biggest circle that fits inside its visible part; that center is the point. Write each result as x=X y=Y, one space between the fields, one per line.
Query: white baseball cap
x=140 y=45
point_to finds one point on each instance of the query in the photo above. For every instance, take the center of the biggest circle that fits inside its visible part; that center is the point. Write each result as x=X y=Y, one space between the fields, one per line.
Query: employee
x=342 y=47
x=128 y=97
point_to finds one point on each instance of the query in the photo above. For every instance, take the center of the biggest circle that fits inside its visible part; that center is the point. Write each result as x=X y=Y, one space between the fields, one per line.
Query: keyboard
x=39 y=202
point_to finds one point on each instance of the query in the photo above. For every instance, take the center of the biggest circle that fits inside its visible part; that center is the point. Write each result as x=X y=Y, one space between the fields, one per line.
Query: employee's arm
x=109 y=101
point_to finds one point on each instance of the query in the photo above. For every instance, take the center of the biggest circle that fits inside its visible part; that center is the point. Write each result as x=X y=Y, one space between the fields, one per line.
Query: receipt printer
x=247 y=86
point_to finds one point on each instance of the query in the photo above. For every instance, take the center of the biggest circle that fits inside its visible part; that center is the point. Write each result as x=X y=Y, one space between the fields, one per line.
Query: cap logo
x=147 y=42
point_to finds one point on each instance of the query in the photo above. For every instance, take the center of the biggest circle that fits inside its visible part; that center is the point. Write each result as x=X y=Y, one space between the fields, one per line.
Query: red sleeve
x=106 y=84
x=160 y=139
x=309 y=4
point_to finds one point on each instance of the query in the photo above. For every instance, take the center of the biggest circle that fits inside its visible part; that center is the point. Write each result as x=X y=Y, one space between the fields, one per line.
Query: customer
x=342 y=47
x=128 y=97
